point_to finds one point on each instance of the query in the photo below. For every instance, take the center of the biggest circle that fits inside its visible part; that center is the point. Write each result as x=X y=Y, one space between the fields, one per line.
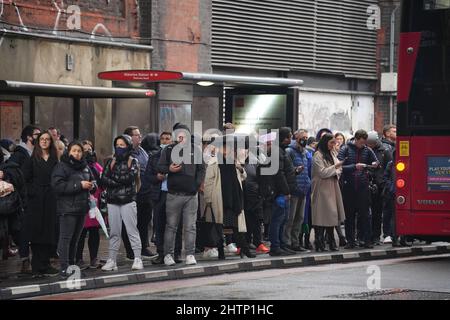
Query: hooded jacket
x=71 y=198
x=120 y=176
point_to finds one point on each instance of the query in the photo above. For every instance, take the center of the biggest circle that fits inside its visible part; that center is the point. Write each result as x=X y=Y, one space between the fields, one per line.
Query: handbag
x=10 y=204
x=210 y=233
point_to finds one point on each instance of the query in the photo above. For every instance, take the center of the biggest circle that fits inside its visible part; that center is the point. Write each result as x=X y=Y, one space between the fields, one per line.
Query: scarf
x=231 y=189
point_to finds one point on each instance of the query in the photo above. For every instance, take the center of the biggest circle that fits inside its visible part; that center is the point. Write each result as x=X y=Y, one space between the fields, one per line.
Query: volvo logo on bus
x=431 y=202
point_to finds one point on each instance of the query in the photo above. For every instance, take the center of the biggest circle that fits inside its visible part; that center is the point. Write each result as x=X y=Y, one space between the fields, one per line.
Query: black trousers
x=159 y=225
x=70 y=230
x=41 y=257
x=253 y=222
x=93 y=243
x=377 y=214
x=356 y=203
x=144 y=217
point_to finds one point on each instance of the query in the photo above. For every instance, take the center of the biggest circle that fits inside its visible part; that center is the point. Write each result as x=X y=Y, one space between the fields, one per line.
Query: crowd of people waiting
x=322 y=183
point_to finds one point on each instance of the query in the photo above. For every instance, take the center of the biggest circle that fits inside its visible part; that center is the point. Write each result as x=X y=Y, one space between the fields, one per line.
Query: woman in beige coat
x=223 y=196
x=326 y=199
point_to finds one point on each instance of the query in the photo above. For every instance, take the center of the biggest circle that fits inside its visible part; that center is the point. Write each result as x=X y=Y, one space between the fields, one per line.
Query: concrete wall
x=37 y=60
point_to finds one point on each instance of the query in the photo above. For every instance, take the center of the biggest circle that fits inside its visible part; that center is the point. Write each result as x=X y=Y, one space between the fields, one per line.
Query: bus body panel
x=426 y=194
x=408 y=51
x=423 y=223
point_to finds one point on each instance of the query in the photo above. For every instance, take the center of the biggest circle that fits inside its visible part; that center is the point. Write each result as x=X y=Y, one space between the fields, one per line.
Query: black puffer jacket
x=119 y=180
x=282 y=183
x=71 y=198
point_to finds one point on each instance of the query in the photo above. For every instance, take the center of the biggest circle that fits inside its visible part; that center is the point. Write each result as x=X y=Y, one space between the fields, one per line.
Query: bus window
x=428 y=106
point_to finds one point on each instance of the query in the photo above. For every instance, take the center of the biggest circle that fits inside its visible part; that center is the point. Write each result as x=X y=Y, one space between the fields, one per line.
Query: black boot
x=221 y=250
x=308 y=244
x=331 y=239
x=243 y=244
x=320 y=241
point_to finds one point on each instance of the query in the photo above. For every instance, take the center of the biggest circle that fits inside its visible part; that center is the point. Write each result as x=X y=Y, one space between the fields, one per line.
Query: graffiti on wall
x=339 y=112
x=110 y=19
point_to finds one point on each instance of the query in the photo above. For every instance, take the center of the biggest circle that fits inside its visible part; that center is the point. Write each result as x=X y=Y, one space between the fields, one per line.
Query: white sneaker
x=231 y=248
x=190 y=260
x=211 y=253
x=137 y=265
x=110 y=265
x=387 y=240
x=168 y=260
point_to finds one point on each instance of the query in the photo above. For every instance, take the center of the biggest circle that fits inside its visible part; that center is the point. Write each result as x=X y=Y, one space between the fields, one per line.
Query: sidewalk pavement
x=15 y=286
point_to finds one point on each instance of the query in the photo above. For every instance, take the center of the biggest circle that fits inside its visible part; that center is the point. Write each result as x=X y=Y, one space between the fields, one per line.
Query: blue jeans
x=277 y=223
x=178 y=206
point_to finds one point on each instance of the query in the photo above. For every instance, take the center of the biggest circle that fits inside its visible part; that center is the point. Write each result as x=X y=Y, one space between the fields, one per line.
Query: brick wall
x=181 y=35
x=120 y=17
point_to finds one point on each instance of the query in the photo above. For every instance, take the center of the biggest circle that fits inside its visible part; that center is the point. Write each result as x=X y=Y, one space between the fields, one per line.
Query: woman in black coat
x=41 y=208
x=72 y=182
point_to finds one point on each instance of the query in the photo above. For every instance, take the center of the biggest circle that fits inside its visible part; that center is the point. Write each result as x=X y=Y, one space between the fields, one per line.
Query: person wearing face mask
x=300 y=159
x=73 y=182
x=91 y=226
x=121 y=179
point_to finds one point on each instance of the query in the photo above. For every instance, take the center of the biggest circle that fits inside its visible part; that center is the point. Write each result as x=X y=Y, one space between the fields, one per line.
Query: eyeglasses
x=45 y=139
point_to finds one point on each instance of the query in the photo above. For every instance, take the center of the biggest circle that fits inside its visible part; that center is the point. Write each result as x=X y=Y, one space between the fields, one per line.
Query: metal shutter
x=286 y=35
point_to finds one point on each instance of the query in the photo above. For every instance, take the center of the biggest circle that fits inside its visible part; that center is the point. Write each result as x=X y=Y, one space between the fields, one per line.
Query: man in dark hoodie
x=25 y=148
x=357 y=158
x=22 y=153
x=285 y=185
x=185 y=180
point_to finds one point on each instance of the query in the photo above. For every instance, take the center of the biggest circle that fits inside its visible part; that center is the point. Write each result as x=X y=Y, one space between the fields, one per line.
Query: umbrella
x=94 y=213
x=101 y=221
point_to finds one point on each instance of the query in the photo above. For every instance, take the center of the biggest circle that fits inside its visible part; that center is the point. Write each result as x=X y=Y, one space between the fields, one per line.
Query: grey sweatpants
x=128 y=214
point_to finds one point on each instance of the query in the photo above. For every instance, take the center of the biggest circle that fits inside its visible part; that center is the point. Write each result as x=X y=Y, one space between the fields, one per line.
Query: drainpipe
x=392 y=58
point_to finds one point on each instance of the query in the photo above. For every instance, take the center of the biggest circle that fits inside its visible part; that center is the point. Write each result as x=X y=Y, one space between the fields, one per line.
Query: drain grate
x=395 y=294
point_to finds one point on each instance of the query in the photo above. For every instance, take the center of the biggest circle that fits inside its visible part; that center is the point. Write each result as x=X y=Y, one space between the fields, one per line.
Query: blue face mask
x=163 y=146
x=121 y=152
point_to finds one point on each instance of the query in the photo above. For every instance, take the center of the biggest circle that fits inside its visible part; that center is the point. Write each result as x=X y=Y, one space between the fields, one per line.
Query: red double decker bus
x=423 y=147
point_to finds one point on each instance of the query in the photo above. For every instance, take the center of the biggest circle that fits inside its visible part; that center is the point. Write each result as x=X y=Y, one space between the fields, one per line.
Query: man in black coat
x=357 y=158
x=185 y=180
x=21 y=154
x=284 y=184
